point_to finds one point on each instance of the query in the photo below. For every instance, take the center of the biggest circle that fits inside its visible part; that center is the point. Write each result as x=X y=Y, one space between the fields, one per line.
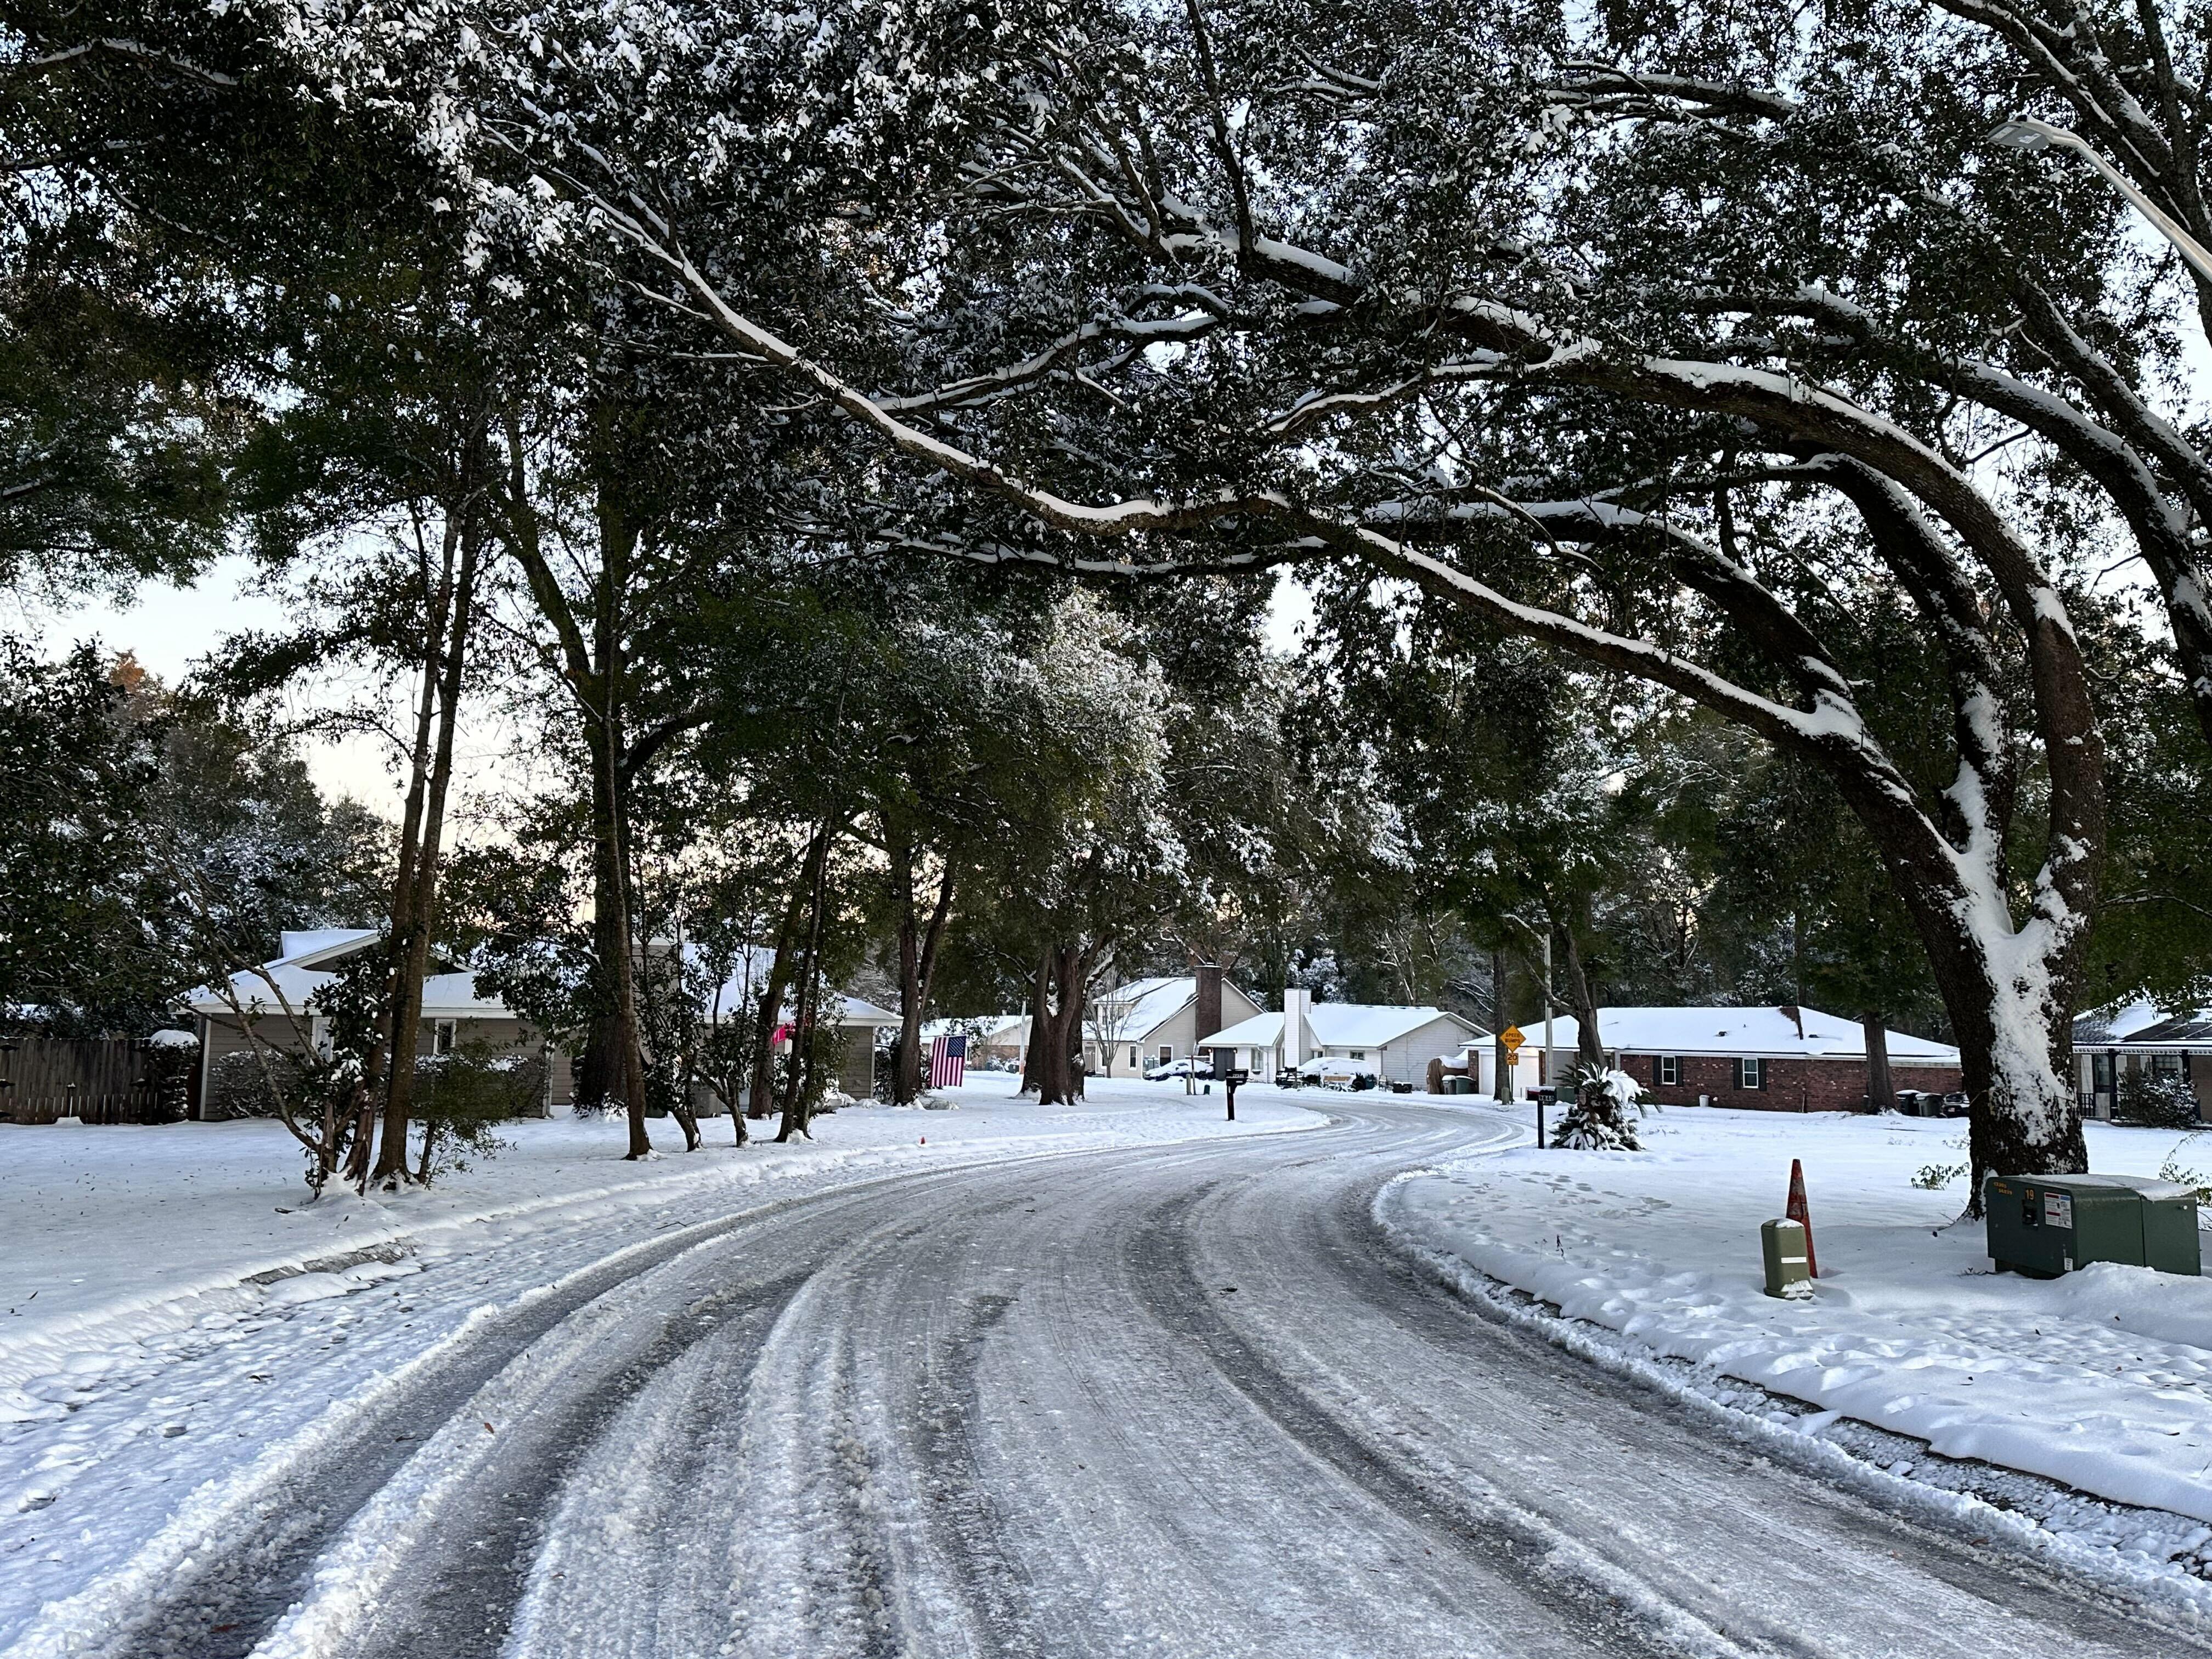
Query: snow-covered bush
x=1601 y=1118
x=2158 y=1099
x=461 y=1098
x=237 y=1086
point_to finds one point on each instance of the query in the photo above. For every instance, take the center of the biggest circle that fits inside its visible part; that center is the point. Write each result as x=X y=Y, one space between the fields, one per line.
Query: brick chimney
x=1209 y=1001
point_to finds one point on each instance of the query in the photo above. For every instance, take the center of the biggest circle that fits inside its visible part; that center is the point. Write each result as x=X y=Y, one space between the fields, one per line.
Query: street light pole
x=2032 y=136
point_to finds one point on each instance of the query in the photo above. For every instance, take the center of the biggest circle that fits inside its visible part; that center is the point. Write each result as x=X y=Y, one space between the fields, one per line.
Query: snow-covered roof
x=1751 y=1032
x=312 y=946
x=304 y=968
x=1260 y=1031
x=2143 y=1026
x=846 y=1009
x=749 y=973
x=1131 y=1012
x=1371 y=1024
x=1338 y=1025
x=984 y=1027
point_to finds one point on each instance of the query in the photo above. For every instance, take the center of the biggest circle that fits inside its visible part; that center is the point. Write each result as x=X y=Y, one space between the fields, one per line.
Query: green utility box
x=1789 y=1265
x=2045 y=1226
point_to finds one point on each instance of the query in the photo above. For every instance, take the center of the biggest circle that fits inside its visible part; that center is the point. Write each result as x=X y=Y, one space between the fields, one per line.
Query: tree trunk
x=1598 y=1119
x=798 y=1084
x=1056 y=1027
x=375 y=1064
x=1880 y=1096
x=423 y=919
x=1033 y=1063
x=917 y=966
x=760 y=1089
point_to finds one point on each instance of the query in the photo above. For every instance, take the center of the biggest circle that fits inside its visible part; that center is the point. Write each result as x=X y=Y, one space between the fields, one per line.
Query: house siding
x=220 y=1035
x=1793 y=1084
x=1407 y=1060
x=1178 y=1031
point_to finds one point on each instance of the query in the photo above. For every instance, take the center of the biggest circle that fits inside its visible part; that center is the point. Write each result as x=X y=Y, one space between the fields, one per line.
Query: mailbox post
x=1230 y=1079
x=1546 y=1095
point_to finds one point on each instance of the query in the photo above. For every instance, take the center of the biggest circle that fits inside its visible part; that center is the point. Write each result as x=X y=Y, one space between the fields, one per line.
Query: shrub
x=461 y=1098
x=2158 y=1100
x=237 y=1086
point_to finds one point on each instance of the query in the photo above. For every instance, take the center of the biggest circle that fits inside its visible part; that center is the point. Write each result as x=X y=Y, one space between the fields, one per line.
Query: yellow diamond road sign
x=1511 y=1037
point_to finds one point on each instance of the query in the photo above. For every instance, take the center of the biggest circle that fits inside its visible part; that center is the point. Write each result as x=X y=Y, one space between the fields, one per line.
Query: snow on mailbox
x=2045 y=1226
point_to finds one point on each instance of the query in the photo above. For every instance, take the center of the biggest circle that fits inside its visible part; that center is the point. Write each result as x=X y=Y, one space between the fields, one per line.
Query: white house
x=1149 y=1022
x=1395 y=1044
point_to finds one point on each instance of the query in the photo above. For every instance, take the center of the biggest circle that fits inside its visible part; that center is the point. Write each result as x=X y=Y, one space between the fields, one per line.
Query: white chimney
x=1295 y=1000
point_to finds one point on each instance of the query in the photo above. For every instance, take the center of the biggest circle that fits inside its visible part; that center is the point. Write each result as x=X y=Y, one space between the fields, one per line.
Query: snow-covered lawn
x=2101 y=1380
x=114 y=1231
x=177 y=1326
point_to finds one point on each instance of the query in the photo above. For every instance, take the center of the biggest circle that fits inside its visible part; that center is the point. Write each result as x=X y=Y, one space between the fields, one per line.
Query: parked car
x=1180 y=1068
x=1332 y=1072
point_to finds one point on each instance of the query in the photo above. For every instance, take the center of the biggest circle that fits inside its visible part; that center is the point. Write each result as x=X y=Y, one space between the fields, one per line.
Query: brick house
x=1776 y=1059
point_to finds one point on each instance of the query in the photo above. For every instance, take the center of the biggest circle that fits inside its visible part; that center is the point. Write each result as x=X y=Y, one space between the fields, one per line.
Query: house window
x=442 y=1033
x=1750 y=1074
x=1669 y=1074
x=1133 y=1061
x=1167 y=1053
x=1356 y=1054
x=2166 y=1065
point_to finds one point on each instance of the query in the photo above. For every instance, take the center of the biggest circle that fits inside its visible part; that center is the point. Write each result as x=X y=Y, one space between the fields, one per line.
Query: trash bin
x=1459 y=1085
x=2045 y=1226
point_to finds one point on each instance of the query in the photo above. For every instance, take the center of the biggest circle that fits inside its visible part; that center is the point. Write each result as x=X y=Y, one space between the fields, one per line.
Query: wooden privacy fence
x=102 y=1080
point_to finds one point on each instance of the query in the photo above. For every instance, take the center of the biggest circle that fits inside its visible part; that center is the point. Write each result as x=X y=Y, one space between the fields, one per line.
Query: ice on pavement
x=2101 y=1380
x=177 y=1326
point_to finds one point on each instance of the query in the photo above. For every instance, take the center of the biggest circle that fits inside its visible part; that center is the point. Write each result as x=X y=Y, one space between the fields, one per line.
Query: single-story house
x=2139 y=1036
x=1781 y=1058
x=867 y=1025
x=1395 y=1044
x=454 y=1014
x=1150 y=1021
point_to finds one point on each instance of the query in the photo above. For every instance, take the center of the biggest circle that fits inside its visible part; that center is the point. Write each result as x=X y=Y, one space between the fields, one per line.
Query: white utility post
x=2028 y=134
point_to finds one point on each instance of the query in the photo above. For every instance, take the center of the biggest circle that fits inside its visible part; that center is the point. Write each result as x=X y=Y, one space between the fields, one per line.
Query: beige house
x=453 y=1014
x=1151 y=1021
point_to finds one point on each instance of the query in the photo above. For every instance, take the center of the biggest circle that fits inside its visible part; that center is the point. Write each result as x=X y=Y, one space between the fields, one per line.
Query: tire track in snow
x=1493 y=1537
x=469 y=1566
x=990 y=1577
x=221 y=1601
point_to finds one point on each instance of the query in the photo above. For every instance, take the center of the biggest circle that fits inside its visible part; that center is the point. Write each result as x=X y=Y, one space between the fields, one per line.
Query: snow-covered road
x=1162 y=1400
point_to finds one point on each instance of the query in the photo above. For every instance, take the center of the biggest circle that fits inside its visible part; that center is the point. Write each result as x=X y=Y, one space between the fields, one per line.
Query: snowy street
x=1175 y=1398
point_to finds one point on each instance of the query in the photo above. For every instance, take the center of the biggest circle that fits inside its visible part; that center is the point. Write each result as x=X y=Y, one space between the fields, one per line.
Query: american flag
x=948 y=1062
